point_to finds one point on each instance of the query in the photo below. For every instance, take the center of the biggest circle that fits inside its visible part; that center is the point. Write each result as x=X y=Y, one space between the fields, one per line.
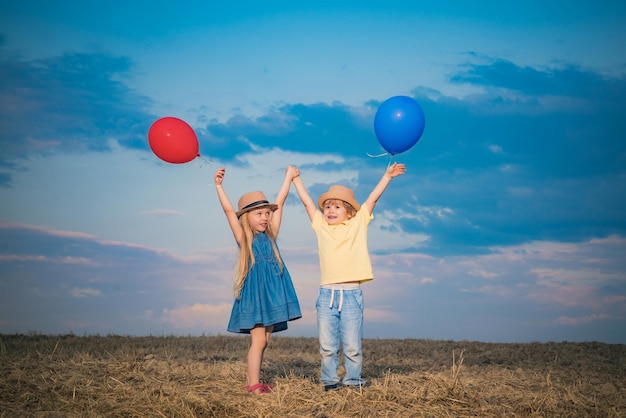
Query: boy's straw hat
x=341 y=193
x=251 y=201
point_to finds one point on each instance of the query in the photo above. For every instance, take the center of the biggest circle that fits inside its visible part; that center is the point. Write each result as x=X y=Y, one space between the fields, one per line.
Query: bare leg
x=260 y=339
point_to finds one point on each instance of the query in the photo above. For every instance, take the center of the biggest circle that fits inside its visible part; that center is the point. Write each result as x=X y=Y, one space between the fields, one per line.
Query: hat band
x=253 y=204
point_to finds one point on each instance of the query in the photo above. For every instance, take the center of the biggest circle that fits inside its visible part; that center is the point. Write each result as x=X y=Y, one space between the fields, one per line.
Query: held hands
x=292 y=172
x=219 y=176
x=394 y=170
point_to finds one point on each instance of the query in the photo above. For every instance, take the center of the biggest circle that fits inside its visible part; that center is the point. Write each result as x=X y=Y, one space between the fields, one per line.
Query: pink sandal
x=261 y=387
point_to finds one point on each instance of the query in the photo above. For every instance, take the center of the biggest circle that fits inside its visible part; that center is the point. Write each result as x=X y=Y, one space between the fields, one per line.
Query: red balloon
x=173 y=140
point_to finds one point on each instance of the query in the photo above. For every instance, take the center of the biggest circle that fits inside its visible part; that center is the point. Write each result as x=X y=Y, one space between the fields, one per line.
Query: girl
x=265 y=298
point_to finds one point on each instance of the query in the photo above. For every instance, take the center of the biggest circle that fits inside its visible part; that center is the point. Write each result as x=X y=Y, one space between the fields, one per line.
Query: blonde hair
x=246 y=256
x=349 y=208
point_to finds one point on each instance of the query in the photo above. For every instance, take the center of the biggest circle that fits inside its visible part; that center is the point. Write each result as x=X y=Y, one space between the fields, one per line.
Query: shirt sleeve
x=317 y=221
x=367 y=216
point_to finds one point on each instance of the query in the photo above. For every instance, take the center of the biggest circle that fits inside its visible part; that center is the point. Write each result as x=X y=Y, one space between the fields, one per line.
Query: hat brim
x=272 y=206
x=328 y=196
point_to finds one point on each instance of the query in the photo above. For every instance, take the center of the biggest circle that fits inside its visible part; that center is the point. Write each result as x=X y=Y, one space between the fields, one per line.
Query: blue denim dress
x=268 y=296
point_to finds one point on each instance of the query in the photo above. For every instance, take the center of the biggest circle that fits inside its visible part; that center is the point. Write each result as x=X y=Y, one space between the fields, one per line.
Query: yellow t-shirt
x=342 y=248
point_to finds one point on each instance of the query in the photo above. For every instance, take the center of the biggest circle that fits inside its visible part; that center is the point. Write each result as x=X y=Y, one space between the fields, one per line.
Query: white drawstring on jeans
x=332 y=298
x=341 y=287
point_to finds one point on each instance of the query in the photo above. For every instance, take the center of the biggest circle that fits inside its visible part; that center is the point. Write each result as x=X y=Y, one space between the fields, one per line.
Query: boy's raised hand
x=395 y=170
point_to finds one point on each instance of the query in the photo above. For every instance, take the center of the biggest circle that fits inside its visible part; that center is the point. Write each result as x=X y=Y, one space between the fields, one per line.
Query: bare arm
x=277 y=215
x=229 y=210
x=393 y=170
x=308 y=203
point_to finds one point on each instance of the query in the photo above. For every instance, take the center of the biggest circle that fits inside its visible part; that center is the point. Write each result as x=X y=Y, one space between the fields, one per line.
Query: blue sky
x=510 y=224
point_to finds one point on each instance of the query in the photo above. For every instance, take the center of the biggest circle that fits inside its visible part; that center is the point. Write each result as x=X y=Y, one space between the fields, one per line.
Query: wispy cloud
x=162 y=212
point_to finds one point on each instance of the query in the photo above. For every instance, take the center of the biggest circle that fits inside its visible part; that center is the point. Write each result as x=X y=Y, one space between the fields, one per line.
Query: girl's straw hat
x=251 y=201
x=341 y=193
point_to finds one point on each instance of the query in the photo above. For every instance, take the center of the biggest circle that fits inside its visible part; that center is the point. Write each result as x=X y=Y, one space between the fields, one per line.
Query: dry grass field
x=113 y=376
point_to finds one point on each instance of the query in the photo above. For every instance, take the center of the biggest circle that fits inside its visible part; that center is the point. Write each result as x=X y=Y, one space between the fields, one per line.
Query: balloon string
x=379 y=155
x=382 y=155
x=389 y=163
x=200 y=165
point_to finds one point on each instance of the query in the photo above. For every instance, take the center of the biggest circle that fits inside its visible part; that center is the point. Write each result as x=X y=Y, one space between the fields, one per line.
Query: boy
x=340 y=225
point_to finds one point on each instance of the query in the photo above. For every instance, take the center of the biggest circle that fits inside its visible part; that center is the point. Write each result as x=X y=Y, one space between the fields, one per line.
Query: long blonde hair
x=246 y=256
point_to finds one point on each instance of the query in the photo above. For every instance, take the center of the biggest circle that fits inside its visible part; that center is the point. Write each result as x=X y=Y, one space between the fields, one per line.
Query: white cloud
x=84 y=292
x=496 y=149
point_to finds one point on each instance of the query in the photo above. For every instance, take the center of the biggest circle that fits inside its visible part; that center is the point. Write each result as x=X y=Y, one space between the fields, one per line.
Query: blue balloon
x=399 y=124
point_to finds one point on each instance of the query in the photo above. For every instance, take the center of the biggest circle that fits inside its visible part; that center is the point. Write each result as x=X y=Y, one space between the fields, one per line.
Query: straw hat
x=251 y=201
x=341 y=193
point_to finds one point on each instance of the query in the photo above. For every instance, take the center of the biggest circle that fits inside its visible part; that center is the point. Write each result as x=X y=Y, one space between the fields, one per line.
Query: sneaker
x=334 y=386
x=357 y=387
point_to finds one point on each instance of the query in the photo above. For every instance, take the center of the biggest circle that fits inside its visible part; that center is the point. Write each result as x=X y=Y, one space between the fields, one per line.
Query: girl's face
x=335 y=212
x=259 y=219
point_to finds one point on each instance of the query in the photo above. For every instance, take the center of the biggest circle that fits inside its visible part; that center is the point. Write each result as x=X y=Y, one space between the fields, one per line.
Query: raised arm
x=308 y=203
x=277 y=215
x=229 y=210
x=393 y=170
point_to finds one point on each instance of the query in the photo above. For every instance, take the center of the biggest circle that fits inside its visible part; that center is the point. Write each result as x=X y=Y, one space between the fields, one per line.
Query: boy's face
x=259 y=219
x=335 y=212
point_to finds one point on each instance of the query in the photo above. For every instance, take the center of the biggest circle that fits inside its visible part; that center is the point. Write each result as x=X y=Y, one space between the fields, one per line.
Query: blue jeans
x=340 y=327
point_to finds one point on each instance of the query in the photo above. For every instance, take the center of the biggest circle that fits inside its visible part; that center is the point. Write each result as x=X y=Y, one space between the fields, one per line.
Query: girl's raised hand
x=395 y=169
x=219 y=176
